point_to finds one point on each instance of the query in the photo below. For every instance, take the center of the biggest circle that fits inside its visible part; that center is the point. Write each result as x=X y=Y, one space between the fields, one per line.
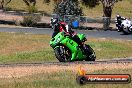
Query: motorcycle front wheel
x=62 y=54
x=126 y=31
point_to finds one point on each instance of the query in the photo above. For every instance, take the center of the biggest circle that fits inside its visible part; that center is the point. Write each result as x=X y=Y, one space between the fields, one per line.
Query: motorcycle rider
x=118 y=21
x=62 y=26
x=57 y=26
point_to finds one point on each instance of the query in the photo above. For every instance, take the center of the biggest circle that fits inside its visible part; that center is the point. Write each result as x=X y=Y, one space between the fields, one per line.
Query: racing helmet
x=54 y=20
x=118 y=16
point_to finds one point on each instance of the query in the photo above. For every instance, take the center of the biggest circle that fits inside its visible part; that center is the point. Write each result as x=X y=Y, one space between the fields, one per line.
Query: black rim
x=63 y=54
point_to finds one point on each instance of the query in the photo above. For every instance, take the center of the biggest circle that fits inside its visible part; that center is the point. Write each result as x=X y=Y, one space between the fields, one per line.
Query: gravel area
x=21 y=71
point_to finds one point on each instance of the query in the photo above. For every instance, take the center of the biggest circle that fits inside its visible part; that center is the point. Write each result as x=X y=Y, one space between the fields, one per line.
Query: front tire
x=125 y=31
x=90 y=53
x=62 y=54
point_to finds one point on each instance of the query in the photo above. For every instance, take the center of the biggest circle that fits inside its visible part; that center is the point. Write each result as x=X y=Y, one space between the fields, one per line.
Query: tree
x=31 y=5
x=4 y=3
x=90 y=3
x=107 y=9
x=68 y=7
x=107 y=5
x=30 y=2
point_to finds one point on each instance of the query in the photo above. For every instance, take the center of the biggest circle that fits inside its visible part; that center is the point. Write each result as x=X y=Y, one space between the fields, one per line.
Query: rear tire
x=90 y=54
x=62 y=54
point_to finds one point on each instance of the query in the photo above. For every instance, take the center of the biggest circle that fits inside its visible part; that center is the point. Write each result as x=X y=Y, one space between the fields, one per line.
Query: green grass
x=64 y=79
x=21 y=48
x=25 y=48
x=124 y=8
x=29 y=57
x=111 y=49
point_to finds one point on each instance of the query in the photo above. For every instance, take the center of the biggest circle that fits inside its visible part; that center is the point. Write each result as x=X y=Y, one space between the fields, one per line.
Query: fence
x=88 y=23
x=84 y=21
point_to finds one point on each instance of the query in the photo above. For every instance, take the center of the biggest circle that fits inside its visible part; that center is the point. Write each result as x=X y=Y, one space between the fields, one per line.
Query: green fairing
x=81 y=36
x=61 y=39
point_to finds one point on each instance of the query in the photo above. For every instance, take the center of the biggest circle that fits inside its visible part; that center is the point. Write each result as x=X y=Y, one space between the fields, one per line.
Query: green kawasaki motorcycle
x=67 y=50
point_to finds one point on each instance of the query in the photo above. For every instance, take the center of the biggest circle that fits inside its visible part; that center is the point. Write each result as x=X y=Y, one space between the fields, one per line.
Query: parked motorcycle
x=67 y=50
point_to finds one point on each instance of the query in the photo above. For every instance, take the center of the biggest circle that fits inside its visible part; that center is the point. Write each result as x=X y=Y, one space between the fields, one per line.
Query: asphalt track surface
x=91 y=33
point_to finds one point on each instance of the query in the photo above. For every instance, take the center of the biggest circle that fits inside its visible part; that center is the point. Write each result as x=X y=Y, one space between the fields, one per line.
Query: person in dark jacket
x=118 y=21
